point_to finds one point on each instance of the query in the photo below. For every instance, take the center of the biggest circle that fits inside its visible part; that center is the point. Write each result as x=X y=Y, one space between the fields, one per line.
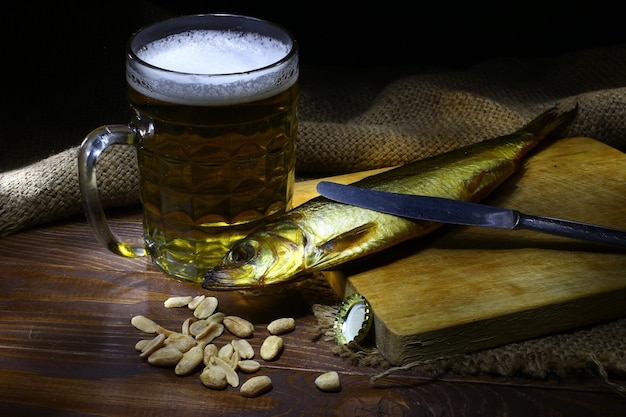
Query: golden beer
x=211 y=175
x=213 y=103
x=216 y=151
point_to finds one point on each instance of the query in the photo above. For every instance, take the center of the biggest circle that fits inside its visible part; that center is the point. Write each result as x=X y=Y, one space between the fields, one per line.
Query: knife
x=445 y=210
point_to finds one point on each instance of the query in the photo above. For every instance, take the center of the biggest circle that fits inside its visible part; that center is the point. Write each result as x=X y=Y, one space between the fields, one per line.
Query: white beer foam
x=213 y=67
x=213 y=52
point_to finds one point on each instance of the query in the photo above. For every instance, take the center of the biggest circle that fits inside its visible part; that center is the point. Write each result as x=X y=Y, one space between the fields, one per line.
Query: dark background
x=65 y=62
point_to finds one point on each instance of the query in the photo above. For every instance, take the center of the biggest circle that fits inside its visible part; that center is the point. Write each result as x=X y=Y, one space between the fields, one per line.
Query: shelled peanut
x=194 y=347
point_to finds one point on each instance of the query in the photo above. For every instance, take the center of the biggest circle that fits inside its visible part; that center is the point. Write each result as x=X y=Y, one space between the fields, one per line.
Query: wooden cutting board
x=464 y=289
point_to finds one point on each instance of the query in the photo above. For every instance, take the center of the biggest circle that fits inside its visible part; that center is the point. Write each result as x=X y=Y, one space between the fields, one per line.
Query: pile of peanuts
x=194 y=347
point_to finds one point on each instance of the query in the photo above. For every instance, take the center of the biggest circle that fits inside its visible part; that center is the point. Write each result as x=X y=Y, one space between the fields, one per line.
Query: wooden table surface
x=67 y=348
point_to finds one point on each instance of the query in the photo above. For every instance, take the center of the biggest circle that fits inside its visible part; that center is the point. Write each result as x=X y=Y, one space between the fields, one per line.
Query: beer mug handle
x=90 y=150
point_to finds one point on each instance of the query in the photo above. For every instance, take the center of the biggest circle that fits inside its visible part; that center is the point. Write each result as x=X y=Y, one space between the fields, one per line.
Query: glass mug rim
x=182 y=23
x=209 y=89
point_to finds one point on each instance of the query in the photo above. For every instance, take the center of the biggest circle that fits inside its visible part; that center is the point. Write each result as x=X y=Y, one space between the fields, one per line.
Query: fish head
x=271 y=255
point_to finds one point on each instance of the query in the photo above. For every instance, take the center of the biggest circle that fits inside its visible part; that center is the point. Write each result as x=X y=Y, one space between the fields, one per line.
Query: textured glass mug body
x=216 y=152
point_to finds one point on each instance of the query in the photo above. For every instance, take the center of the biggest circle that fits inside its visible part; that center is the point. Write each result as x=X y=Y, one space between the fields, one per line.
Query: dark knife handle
x=576 y=230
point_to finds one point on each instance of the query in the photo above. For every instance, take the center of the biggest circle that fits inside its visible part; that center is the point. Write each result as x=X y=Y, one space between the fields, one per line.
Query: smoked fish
x=321 y=234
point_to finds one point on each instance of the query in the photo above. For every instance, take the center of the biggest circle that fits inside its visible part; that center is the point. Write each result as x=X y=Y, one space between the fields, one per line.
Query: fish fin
x=485 y=182
x=551 y=121
x=473 y=185
x=347 y=241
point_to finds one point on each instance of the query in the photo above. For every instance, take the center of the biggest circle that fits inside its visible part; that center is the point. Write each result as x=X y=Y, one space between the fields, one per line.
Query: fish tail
x=550 y=122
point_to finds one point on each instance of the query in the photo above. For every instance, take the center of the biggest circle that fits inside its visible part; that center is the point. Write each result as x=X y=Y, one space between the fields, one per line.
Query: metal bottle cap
x=353 y=320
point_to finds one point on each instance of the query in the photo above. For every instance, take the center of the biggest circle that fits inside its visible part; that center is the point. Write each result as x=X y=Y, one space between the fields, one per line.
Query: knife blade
x=445 y=210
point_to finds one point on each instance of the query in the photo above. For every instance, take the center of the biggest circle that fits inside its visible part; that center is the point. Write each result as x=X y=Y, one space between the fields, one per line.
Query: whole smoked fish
x=321 y=234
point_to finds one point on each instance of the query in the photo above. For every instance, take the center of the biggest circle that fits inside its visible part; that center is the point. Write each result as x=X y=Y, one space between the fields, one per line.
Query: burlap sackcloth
x=357 y=119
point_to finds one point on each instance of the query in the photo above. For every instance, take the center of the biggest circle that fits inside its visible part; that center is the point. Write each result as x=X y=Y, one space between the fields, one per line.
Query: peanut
x=226 y=352
x=178 y=301
x=271 y=347
x=328 y=382
x=213 y=378
x=198 y=327
x=205 y=308
x=195 y=301
x=164 y=331
x=241 y=328
x=234 y=360
x=190 y=360
x=165 y=356
x=248 y=366
x=156 y=343
x=280 y=326
x=213 y=331
x=243 y=347
x=182 y=342
x=210 y=350
x=185 y=327
x=231 y=375
x=140 y=345
x=216 y=318
x=256 y=386
x=144 y=324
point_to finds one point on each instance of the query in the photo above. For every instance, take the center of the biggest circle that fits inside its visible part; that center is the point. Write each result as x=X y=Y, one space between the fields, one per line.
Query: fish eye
x=242 y=253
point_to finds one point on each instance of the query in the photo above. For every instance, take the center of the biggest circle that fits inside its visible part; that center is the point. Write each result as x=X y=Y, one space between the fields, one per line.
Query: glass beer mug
x=213 y=103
